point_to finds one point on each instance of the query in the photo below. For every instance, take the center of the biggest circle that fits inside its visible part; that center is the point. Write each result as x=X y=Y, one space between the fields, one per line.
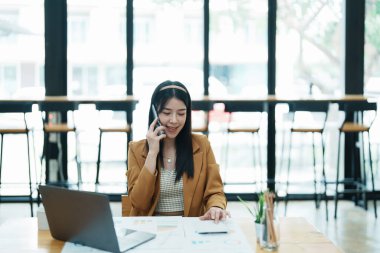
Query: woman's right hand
x=154 y=138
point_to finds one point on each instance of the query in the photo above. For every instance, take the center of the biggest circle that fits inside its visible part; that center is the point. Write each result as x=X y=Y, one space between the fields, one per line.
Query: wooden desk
x=297 y=235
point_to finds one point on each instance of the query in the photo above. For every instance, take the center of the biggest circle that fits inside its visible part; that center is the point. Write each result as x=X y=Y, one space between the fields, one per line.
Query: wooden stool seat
x=126 y=129
x=14 y=131
x=58 y=128
x=243 y=130
x=307 y=130
x=199 y=129
x=351 y=127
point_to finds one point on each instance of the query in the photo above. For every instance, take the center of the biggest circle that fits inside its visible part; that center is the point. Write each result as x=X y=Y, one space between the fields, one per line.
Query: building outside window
x=372 y=48
x=372 y=71
x=96 y=42
x=310 y=47
x=21 y=28
x=238 y=45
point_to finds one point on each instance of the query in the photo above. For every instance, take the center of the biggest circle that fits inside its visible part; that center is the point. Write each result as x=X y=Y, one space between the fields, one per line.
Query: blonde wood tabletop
x=297 y=235
x=75 y=99
x=285 y=99
x=240 y=98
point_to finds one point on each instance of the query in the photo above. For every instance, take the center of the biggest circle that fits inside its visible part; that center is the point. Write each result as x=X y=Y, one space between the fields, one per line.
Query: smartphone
x=155 y=115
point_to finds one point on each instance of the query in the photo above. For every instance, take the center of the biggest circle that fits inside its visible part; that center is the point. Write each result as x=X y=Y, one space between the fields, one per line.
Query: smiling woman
x=174 y=173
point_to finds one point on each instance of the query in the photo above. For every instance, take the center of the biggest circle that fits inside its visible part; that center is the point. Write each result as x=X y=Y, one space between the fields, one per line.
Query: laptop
x=85 y=218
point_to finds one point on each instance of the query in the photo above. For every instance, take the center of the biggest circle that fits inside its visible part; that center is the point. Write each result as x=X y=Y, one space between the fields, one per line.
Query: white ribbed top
x=171 y=192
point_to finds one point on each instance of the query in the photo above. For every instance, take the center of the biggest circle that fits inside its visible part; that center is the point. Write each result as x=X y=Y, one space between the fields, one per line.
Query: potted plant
x=258 y=214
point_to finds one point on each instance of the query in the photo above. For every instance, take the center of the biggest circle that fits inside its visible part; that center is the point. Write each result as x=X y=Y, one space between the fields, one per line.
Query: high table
x=128 y=102
x=205 y=103
x=271 y=101
x=296 y=236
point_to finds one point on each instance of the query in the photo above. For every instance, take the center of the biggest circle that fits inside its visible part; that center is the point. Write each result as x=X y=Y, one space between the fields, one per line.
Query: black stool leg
x=1 y=154
x=287 y=177
x=337 y=179
x=226 y=157
x=361 y=183
x=43 y=156
x=98 y=162
x=261 y=167
x=254 y=162
x=372 y=178
x=324 y=176
x=284 y=133
x=30 y=177
x=315 y=174
x=77 y=158
x=60 y=157
x=129 y=137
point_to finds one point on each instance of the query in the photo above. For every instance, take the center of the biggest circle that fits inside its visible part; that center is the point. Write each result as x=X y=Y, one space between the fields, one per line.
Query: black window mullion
x=271 y=135
x=55 y=47
x=129 y=41
x=354 y=75
x=206 y=36
x=55 y=14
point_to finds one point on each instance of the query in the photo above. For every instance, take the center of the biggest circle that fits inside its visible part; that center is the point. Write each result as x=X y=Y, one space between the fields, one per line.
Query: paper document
x=210 y=227
x=179 y=235
x=233 y=241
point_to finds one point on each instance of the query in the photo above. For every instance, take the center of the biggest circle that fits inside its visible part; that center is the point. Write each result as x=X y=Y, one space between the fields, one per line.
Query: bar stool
x=59 y=118
x=111 y=127
x=314 y=125
x=201 y=110
x=360 y=125
x=238 y=111
x=16 y=123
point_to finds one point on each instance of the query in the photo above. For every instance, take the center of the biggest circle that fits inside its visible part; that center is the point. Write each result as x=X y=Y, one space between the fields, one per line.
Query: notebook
x=85 y=218
x=210 y=227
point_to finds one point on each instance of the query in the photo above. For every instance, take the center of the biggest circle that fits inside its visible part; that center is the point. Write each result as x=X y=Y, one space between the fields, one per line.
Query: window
x=167 y=46
x=372 y=48
x=142 y=32
x=115 y=75
x=84 y=80
x=22 y=46
x=238 y=45
x=310 y=47
x=9 y=79
x=78 y=28
x=8 y=26
x=96 y=41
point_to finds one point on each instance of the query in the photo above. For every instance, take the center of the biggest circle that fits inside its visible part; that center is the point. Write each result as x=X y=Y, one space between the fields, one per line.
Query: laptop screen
x=80 y=217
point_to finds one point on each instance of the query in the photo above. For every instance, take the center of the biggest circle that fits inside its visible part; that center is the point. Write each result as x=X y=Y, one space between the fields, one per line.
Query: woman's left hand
x=216 y=214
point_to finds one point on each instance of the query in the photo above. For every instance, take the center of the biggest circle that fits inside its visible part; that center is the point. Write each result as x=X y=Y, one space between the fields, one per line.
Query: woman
x=172 y=171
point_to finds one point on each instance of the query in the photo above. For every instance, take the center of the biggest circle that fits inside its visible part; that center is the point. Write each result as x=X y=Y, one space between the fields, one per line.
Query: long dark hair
x=183 y=142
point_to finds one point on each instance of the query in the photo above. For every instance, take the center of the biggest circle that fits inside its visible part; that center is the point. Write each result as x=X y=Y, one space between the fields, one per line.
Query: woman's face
x=173 y=117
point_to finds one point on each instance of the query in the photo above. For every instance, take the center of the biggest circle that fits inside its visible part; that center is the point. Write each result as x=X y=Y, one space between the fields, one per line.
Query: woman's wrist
x=152 y=154
x=150 y=162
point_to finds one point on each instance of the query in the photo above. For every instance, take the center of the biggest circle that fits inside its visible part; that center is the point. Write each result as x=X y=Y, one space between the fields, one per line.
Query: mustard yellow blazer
x=200 y=193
